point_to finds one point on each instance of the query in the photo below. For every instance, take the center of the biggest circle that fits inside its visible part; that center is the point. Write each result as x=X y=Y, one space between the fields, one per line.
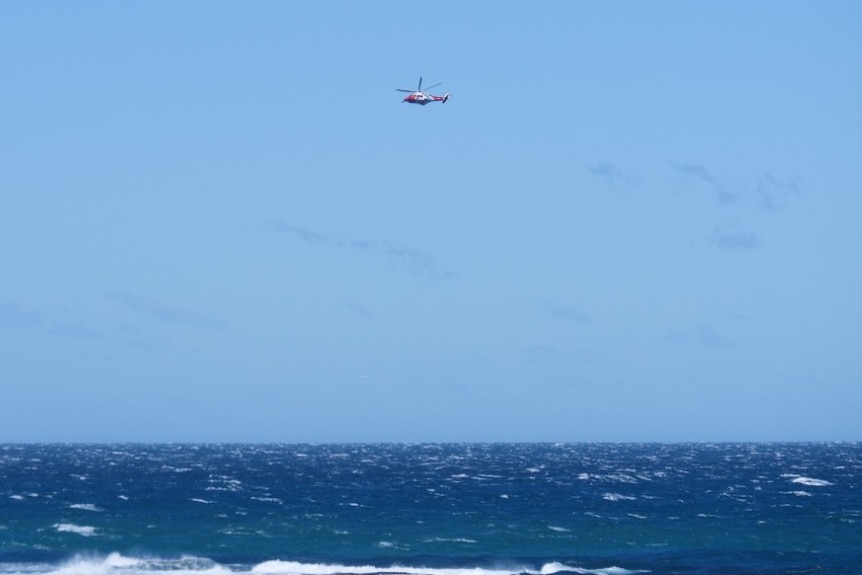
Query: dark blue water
x=438 y=509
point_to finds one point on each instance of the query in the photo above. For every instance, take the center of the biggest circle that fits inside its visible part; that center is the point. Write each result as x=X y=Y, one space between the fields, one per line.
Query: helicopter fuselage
x=422 y=98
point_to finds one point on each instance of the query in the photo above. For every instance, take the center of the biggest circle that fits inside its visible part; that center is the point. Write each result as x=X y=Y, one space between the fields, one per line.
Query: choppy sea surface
x=430 y=509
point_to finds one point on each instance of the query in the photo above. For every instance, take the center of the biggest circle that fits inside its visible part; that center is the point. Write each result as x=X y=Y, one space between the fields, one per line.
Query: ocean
x=430 y=509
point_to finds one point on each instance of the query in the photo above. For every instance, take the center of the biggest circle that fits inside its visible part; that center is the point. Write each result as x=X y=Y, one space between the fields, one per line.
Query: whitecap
x=85 y=530
x=617 y=497
x=118 y=563
x=118 y=560
x=449 y=540
x=617 y=571
x=551 y=568
x=621 y=478
x=85 y=507
x=276 y=567
x=267 y=499
x=811 y=482
x=81 y=565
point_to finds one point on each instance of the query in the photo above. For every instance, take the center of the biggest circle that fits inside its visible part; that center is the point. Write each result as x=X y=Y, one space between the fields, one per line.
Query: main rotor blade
x=433 y=86
x=419 y=89
x=403 y=90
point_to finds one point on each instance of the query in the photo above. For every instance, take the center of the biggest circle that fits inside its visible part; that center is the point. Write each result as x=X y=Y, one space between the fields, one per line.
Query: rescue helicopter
x=417 y=96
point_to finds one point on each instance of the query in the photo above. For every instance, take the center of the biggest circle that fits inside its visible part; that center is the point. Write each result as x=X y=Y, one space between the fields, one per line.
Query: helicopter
x=417 y=96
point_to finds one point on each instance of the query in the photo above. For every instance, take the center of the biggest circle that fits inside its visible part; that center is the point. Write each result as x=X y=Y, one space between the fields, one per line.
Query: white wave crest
x=118 y=564
x=811 y=482
x=93 y=566
x=277 y=567
x=449 y=540
x=617 y=497
x=85 y=507
x=85 y=530
x=551 y=568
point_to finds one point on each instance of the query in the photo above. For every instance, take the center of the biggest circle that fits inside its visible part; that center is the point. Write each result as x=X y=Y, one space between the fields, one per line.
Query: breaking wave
x=119 y=564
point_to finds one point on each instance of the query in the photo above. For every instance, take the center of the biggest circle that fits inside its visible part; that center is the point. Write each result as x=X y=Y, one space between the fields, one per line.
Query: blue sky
x=631 y=222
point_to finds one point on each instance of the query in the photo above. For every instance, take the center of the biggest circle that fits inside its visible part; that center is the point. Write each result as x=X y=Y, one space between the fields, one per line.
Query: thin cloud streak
x=360 y=310
x=701 y=175
x=14 y=316
x=703 y=335
x=165 y=314
x=74 y=331
x=409 y=259
x=695 y=171
x=775 y=194
x=611 y=174
x=567 y=313
x=732 y=238
x=770 y=193
x=548 y=354
x=132 y=336
x=17 y=317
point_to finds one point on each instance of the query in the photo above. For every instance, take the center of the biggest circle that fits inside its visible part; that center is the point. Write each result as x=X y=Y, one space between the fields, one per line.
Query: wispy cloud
x=15 y=316
x=165 y=314
x=548 y=354
x=703 y=176
x=703 y=335
x=132 y=336
x=360 y=310
x=695 y=171
x=611 y=174
x=567 y=313
x=407 y=258
x=775 y=194
x=769 y=192
x=74 y=331
x=732 y=238
x=308 y=236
